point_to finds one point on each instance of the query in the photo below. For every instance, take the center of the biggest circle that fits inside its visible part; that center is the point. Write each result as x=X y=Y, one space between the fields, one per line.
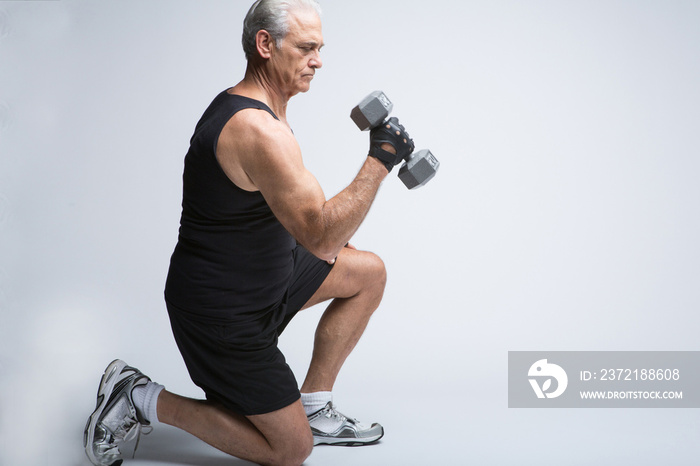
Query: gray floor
x=463 y=430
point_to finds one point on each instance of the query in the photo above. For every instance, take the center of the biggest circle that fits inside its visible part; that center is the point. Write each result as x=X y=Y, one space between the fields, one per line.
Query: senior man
x=258 y=242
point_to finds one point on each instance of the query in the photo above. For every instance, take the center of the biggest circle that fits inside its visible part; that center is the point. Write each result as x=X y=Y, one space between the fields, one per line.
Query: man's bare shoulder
x=253 y=145
x=258 y=128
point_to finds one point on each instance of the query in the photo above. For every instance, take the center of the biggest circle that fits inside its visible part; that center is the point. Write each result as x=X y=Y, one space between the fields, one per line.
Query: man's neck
x=257 y=86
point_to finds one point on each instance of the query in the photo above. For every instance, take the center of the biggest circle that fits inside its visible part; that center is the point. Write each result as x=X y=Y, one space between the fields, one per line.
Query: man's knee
x=376 y=271
x=304 y=449
x=372 y=279
x=355 y=273
x=295 y=453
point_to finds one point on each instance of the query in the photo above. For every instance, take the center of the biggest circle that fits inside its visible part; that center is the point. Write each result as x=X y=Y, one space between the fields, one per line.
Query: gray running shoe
x=330 y=427
x=115 y=419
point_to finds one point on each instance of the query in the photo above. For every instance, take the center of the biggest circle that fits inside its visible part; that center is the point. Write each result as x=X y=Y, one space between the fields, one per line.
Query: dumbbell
x=419 y=167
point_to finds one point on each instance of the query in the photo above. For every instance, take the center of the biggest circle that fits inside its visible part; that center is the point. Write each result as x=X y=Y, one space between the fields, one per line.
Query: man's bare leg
x=282 y=437
x=357 y=285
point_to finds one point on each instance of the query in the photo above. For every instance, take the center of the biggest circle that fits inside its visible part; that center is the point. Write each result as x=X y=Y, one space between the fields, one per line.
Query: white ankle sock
x=316 y=401
x=146 y=400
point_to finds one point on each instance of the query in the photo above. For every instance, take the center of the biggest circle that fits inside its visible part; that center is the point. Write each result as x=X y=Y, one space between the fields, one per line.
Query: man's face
x=298 y=57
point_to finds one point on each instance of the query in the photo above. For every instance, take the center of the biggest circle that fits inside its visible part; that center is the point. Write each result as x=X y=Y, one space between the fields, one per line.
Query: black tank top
x=233 y=258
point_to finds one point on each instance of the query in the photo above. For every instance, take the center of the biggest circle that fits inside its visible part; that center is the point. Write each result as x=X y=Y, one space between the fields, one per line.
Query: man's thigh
x=285 y=429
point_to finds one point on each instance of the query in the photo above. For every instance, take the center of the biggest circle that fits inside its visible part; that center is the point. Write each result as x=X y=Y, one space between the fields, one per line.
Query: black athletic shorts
x=238 y=364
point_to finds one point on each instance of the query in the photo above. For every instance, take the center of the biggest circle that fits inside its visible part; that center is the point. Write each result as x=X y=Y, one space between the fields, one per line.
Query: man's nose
x=316 y=61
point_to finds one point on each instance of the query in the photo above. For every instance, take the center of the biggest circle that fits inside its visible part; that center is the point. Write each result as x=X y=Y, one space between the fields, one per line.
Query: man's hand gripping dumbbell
x=371 y=113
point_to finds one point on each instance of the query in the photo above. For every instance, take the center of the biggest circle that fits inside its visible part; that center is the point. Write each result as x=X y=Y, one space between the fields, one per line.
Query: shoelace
x=130 y=430
x=140 y=429
x=331 y=412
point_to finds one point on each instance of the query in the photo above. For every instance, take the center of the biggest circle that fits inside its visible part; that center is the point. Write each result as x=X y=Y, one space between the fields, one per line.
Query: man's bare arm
x=343 y=214
x=269 y=155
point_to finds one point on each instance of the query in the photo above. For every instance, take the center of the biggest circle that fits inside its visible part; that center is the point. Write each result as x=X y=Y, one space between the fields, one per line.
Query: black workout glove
x=394 y=134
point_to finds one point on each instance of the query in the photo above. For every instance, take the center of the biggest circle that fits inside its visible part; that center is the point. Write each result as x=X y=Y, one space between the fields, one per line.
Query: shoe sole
x=107 y=382
x=347 y=442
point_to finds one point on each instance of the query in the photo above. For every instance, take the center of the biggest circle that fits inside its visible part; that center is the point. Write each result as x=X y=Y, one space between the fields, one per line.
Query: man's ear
x=264 y=43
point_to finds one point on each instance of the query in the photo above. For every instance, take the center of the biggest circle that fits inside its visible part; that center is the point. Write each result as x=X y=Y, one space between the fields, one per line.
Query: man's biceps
x=297 y=197
x=300 y=193
x=295 y=212
x=272 y=168
x=277 y=180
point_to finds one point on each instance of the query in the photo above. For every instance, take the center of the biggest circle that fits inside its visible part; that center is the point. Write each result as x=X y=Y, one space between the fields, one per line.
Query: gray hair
x=272 y=16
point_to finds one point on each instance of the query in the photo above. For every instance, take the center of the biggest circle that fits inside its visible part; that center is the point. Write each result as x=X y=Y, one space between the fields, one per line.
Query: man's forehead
x=305 y=23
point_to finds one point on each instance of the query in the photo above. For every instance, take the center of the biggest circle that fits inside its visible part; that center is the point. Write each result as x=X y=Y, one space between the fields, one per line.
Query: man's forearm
x=343 y=214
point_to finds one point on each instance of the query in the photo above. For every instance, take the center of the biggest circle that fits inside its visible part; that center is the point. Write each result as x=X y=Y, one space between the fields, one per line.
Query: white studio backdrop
x=564 y=216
